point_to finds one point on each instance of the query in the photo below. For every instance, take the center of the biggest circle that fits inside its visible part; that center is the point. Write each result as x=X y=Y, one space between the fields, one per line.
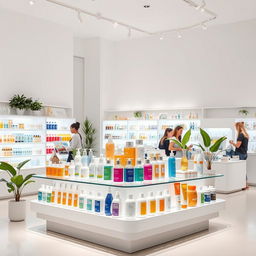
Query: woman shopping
x=241 y=144
x=75 y=142
x=165 y=141
x=177 y=133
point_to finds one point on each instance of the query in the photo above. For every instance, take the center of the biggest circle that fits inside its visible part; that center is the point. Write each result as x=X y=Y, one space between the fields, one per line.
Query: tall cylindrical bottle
x=172 y=166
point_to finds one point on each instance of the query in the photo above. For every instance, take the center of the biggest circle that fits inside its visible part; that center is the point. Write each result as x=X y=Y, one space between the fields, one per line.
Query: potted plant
x=35 y=107
x=16 y=184
x=210 y=150
x=243 y=112
x=137 y=114
x=89 y=135
x=20 y=103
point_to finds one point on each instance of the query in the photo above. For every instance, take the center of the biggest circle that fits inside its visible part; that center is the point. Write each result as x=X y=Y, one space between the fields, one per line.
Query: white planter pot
x=20 y=111
x=36 y=113
x=17 y=210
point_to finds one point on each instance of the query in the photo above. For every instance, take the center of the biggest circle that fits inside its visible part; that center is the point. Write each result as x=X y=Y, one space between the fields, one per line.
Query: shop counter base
x=125 y=234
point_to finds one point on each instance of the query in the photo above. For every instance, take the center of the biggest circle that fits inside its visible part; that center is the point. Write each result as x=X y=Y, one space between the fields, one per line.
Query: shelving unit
x=122 y=233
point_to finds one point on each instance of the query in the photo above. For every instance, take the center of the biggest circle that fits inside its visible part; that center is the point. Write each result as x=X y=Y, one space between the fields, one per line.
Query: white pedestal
x=124 y=234
x=251 y=169
x=234 y=176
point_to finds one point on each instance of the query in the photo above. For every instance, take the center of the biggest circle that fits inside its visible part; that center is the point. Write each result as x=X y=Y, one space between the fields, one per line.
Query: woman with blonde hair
x=241 y=144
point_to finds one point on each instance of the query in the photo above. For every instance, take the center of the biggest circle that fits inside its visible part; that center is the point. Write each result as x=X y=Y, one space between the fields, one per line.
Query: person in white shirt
x=75 y=142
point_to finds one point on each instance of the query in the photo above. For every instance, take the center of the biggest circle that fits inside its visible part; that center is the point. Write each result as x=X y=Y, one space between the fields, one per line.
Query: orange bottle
x=64 y=195
x=156 y=169
x=161 y=202
x=75 y=204
x=152 y=203
x=70 y=196
x=59 y=195
x=192 y=196
x=130 y=152
x=110 y=149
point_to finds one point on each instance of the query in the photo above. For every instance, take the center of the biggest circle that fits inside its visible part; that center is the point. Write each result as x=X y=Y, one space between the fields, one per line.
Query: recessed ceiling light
x=115 y=24
x=147 y=6
x=31 y=2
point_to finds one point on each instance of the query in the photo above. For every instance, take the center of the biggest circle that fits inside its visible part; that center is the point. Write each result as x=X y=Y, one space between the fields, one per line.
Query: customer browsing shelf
x=165 y=141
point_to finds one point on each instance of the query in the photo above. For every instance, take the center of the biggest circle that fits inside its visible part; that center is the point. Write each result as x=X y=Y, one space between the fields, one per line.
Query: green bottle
x=139 y=171
x=108 y=170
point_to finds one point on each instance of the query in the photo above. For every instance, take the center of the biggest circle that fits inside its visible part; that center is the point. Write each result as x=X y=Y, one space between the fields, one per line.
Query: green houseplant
x=137 y=114
x=89 y=135
x=210 y=150
x=15 y=185
x=20 y=103
x=36 y=106
x=243 y=112
x=185 y=139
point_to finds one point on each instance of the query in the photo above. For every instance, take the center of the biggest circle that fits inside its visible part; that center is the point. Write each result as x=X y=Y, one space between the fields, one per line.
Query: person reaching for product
x=75 y=142
x=177 y=133
x=165 y=141
x=241 y=144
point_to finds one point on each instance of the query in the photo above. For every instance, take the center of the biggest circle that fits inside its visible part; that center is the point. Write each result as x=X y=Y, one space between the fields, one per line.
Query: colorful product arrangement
x=146 y=204
x=9 y=124
x=8 y=151
x=58 y=137
x=21 y=138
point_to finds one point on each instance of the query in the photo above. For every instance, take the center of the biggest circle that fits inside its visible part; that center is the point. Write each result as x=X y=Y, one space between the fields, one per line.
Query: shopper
x=75 y=142
x=177 y=133
x=165 y=140
x=241 y=144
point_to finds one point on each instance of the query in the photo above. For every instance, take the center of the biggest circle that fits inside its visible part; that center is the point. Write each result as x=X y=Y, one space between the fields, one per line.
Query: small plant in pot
x=15 y=185
x=20 y=103
x=36 y=107
x=210 y=150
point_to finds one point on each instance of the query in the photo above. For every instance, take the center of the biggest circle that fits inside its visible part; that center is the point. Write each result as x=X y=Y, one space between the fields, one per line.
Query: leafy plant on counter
x=20 y=102
x=89 y=135
x=137 y=114
x=185 y=139
x=244 y=112
x=36 y=105
x=17 y=181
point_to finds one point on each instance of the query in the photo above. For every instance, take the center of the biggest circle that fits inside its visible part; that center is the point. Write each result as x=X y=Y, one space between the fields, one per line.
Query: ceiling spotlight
x=161 y=38
x=204 y=27
x=202 y=9
x=179 y=35
x=129 y=33
x=32 y=2
x=115 y=24
x=79 y=16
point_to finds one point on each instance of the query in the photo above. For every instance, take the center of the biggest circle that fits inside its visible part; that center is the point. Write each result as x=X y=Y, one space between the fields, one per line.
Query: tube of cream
x=177 y=194
x=184 y=196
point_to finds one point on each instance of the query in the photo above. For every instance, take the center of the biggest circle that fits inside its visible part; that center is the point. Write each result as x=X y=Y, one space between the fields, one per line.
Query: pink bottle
x=148 y=170
x=118 y=172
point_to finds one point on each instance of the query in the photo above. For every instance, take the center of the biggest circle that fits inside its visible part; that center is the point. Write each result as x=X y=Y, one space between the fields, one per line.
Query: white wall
x=36 y=58
x=205 y=68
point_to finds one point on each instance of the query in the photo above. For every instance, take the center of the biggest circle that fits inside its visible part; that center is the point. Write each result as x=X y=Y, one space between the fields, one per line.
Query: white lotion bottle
x=130 y=207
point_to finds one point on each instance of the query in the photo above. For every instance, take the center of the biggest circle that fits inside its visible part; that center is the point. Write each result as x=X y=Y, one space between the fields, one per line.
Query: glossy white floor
x=233 y=233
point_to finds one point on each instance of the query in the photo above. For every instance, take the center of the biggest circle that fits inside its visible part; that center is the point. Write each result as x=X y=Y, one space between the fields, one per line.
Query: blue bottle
x=172 y=165
x=129 y=172
x=108 y=203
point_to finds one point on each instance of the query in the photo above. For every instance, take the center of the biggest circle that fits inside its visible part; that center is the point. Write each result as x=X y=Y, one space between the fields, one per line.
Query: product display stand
x=122 y=233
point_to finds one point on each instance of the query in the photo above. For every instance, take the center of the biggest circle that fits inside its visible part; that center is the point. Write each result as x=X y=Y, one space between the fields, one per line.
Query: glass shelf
x=127 y=184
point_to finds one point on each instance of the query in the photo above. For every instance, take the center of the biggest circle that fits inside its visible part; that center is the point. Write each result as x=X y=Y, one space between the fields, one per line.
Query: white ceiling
x=163 y=14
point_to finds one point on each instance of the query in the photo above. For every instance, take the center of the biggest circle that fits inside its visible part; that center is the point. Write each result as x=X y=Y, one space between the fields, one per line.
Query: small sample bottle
x=116 y=206
x=171 y=165
x=200 y=196
x=99 y=203
x=89 y=202
x=76 y=194
x=141 y=206
x=213 y=193
x=82 y=199
x=108 y=170
x=40 y=193
x=152 y=203
x=49 y=194
x=139 y=171
x=100 y=168
x=156 y=170
x=110 y=148
x=207 y=195
x=130 y=207
x=118 y=172
x=129 y=172
x=167 y=200
x=160 y=202
x=161 y=167
x=148 y=170
x=108 y=202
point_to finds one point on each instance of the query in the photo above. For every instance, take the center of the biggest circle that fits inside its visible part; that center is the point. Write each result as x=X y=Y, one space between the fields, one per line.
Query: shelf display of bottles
x=19 y=124
x=150 y=131
x=58 y=137
x=20 y=152
x=111 y=204
x=20 y=138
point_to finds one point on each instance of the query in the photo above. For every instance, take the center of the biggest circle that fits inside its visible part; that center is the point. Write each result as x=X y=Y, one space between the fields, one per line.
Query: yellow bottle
x=152 y=203
x=110 y=149
x=59 y=195
x=184 y=161
x=75 y=204
x=70 y=196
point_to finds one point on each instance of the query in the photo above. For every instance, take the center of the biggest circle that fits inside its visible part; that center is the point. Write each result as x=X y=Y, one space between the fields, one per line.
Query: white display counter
x=234 y=176
x=122 y=233
x=251 y=169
